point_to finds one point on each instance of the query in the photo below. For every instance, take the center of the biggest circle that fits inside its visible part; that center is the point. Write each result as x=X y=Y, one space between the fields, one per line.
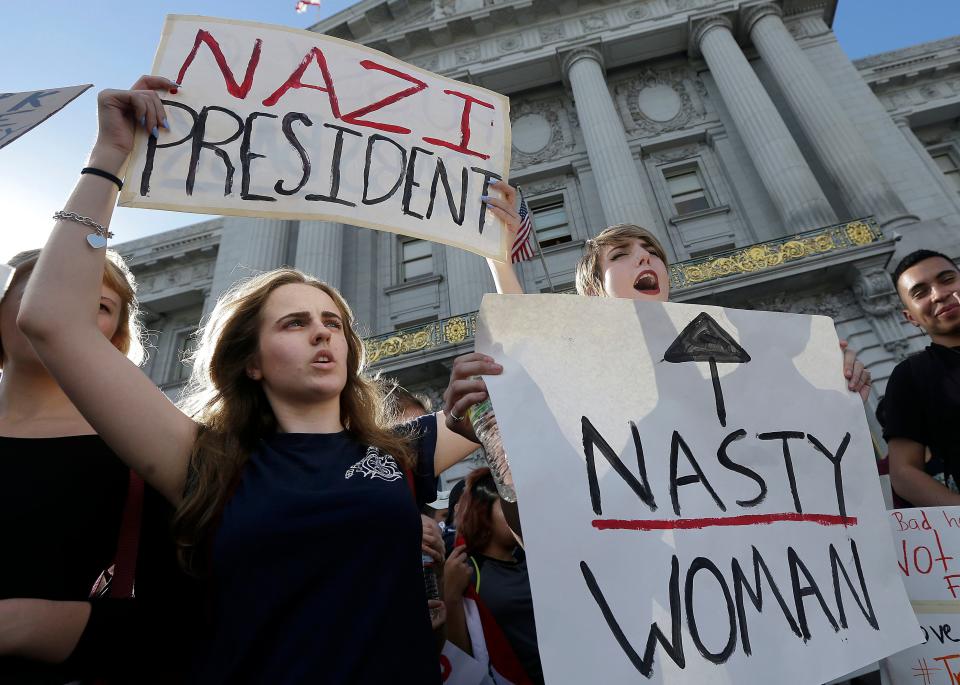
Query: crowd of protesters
x=265 y=529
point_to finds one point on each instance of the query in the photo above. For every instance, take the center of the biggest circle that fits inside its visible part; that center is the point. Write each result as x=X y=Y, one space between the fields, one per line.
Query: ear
x=909 y=317
x=253 y=370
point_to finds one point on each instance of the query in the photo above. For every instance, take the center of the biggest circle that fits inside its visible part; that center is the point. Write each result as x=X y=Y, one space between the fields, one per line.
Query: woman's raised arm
x=59 y=309
x=505 y=208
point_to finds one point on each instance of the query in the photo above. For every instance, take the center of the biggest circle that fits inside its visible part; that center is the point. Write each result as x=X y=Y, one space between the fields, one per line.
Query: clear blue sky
x=109 y=44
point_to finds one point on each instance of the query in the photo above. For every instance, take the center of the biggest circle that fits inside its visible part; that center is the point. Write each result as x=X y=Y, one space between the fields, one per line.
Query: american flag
x=302 y=5
x=522 y=250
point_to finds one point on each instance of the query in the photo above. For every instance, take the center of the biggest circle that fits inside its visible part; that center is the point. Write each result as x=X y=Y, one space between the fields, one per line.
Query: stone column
x=903 y=122
x=320 y=250
x=248 y=246
x=468 y=278
x=881 y=304
x=830 y=131
x=618 y=179
x=787 y=178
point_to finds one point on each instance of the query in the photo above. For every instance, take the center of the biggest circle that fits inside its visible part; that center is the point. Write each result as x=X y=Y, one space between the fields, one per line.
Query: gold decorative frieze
x=755 y=258
x=774 y=253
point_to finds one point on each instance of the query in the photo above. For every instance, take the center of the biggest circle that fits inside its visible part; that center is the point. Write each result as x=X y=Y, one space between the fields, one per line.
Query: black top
x=61 y=503
x=317 y=575
x=505 y=590
x=922 y=403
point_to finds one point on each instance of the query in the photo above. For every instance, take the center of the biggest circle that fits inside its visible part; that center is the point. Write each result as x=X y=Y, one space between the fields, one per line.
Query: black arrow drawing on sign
x=703 y=340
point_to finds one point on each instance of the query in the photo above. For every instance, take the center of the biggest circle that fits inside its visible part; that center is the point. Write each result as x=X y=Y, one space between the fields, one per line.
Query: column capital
x=699 y=27
x=570 y=57
x=749 y=16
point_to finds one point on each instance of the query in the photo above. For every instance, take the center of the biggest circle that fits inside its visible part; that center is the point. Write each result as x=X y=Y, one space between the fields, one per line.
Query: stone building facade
x=780 y=174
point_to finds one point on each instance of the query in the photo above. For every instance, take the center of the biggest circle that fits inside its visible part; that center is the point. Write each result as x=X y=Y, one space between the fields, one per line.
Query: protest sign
x=278 y=122
x=698 y=493
x=927 y=544
x=20 y=112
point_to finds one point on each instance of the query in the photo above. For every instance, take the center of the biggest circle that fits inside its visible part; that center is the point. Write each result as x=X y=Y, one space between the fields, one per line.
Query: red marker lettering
x=354 y=116
x=295 y=82
x=236 y=90
x=462 y=146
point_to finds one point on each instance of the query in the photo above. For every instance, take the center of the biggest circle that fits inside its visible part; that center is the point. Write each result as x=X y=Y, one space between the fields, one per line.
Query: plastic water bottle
x=488 y=433
x=430 y=577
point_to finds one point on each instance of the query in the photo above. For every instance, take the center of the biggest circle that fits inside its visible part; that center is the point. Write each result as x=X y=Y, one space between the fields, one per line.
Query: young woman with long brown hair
x=62 y=499
x=290 y=485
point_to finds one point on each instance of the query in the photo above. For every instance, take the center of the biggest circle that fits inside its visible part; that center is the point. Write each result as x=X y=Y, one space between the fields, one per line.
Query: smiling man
x=922 y=403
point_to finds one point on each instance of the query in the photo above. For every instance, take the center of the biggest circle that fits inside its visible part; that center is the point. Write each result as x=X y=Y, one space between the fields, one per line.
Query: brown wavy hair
x=233 y=412
x=116 y=275
x=475 y=510
x=589 y=273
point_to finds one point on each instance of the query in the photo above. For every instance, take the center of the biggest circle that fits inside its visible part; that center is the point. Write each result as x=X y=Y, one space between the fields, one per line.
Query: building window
x=686 y=189
x=416 y=259
x=183 y=346
x=550 y=222
x=949 y=168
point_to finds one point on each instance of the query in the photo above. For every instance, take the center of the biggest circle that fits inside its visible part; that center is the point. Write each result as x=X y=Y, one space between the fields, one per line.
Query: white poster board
x=20 y=112
x=927 y=543
x=277 y=122
x=692 y=521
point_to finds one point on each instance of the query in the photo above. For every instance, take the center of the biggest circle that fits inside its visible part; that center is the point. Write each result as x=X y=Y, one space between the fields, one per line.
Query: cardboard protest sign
x=927 y=543
x=278 y=122
x=698 y=493
x=20 y=112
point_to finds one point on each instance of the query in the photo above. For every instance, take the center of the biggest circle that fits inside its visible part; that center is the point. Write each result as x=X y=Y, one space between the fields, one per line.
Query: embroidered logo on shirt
x=375 y=465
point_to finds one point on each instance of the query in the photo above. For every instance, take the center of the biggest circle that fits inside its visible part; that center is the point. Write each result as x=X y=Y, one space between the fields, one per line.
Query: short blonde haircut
x=589 y=272
x=116 y=275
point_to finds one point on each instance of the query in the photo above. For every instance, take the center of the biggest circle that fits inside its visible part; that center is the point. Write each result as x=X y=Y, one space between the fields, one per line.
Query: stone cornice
x=911 y=56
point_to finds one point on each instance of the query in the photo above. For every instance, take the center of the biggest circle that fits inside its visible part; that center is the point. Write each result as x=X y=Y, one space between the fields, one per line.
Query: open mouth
x=323 y=358
x=647 y=283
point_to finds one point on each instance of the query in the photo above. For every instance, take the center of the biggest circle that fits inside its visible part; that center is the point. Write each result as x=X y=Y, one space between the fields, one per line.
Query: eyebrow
x=306 y=315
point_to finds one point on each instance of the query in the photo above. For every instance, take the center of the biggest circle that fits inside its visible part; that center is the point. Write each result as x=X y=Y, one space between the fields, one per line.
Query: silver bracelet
x=95 y=240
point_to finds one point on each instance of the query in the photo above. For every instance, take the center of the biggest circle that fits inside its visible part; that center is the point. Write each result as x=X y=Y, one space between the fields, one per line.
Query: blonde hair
x=128 y=337
x=234 y=414
x=589 y=272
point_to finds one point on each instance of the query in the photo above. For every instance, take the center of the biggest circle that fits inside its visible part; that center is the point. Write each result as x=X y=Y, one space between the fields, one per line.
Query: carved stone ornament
x=659 y=101
x=510 y=43
x=878 y=298
x=444 y=8
x=429 y=63
x=541 y=132
x=840 y=306
x=548 y=185
x=468 y=54
x=552 y=33
x=595 y=22
x=639 y=12
x=675 y=154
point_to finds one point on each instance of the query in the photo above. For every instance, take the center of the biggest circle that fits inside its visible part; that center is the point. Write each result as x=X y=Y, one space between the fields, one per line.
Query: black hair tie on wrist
x=102 y=174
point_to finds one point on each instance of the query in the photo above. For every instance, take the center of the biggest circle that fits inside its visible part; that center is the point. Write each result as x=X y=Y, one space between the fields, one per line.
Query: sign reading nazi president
x=698 y=493
x=278 y=122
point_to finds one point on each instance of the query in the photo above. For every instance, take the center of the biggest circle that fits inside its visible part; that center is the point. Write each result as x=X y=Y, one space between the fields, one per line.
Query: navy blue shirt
x=317 y=576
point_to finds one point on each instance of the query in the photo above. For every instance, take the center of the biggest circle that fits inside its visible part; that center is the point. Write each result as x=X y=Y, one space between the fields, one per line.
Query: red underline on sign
x=745 y=520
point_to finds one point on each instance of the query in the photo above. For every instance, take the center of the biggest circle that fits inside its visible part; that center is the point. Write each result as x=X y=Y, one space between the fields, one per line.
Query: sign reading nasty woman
x=278 y=122
x=698 y=493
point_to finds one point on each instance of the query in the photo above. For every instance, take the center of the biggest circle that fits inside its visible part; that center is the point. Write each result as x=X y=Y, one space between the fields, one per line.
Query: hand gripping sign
x=698 y=493
x=278 y=122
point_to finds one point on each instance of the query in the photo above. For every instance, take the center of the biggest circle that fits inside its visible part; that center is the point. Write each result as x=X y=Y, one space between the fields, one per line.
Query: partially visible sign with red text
x=282 y=123
x=928 y=556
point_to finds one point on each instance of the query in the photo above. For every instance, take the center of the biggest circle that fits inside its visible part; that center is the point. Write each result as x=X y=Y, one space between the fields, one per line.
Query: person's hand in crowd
x=119 y=111
x=857 y=375
x=465 y=390
x=457 y=573
x=504 y=208
x=432 y=541
x=438 y=613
